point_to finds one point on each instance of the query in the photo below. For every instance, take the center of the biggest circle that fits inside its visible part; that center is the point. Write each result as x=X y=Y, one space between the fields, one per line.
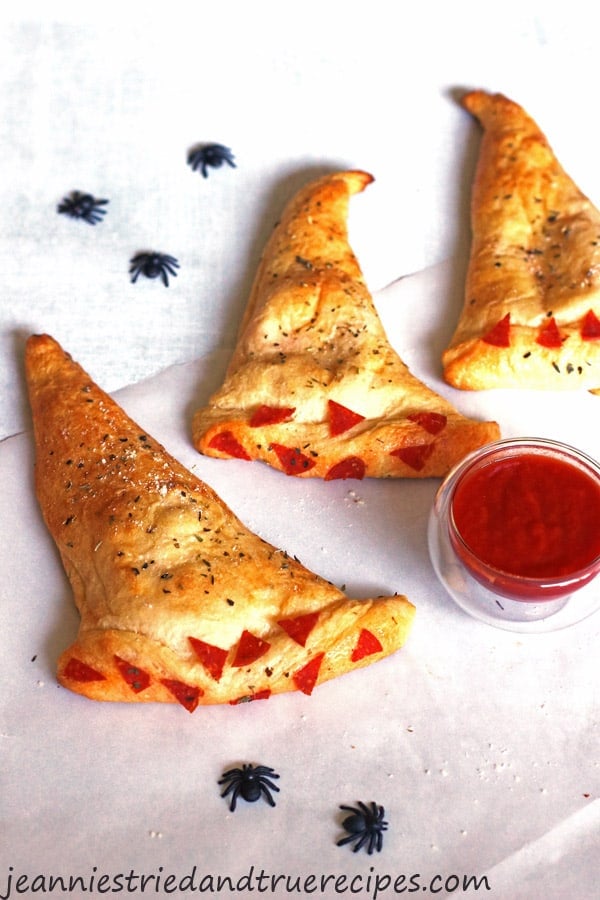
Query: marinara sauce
x=526 y=522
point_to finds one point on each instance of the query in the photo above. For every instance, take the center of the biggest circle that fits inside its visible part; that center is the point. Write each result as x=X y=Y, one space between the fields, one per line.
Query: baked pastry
x=179 y=601
x=314 y=387
x=531 y=315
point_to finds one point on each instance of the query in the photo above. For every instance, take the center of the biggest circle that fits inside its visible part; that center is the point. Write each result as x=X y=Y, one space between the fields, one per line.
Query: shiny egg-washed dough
x=535 y=256
x=310 y=335
x=160 y=566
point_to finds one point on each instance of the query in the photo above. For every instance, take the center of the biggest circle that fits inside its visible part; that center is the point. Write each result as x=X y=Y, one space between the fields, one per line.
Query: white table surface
x=110 y=103
x=483 y=746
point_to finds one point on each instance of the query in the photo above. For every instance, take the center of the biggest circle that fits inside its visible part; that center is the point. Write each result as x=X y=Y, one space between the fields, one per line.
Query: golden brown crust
x=176 y=595
x=535 y=258
x=310 y=338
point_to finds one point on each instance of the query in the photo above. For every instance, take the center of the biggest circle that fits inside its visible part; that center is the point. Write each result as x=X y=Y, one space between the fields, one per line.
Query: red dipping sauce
x=525 y=519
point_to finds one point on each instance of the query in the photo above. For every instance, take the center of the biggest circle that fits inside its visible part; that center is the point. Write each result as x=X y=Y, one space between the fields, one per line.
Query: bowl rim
x=506 y=447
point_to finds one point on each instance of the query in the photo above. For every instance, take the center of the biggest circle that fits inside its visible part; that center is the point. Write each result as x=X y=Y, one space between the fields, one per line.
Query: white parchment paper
x=482 y=745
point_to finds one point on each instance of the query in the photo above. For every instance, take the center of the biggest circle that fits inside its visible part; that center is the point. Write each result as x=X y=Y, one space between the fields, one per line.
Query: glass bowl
x=514 y=534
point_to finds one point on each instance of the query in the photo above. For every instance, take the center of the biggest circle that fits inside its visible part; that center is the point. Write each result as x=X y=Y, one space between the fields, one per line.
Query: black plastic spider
x=83 y=206
x=152 y=265
x=249 y=782
x=213 y=155
x=365 y=825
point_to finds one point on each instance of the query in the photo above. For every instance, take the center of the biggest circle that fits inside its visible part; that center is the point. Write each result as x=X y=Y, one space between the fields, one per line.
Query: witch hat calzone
x=314 y=387
x=531 y=314
x=179 y=601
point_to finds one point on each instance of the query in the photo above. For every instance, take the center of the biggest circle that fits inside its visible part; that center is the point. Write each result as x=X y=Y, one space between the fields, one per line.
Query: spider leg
x=228 y=789
x=236 y=791
x=268 y=783
x=170 y=268
x=229 y=774
x=135 y=270
x=194 y=159
x=361 y=842
x=234 y=796
x=345 y=840
x=266 y=792
x=96 y=212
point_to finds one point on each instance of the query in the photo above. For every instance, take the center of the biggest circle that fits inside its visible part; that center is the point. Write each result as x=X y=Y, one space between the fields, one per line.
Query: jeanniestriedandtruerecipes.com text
x=371 y=885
